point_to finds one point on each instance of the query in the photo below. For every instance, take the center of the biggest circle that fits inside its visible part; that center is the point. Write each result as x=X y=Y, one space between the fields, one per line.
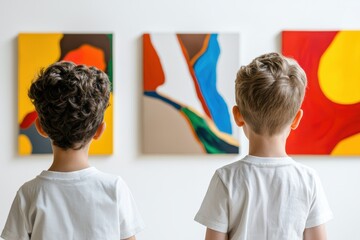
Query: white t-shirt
x=264 y=198
x=86 y=204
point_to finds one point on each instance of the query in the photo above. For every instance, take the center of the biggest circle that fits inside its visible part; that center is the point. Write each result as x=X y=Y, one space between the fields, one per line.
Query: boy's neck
x=69 y=160
x=265 y=146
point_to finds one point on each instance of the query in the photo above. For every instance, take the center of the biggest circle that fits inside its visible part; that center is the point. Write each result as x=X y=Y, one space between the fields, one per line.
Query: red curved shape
x=28 y=120
x=153 y=72
x=325 y=123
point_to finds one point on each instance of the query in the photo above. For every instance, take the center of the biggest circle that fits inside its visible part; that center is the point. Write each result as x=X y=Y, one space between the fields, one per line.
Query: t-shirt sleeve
x=214 y=210
x=15 y=227
x=320 y=211
x=130 y=220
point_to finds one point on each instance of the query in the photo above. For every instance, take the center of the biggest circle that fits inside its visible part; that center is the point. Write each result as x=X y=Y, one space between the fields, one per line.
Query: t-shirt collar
x=268 y=160
x=75 y=175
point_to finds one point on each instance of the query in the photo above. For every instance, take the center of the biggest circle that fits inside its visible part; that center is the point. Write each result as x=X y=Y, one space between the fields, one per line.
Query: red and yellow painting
x=37 y=51
x=331 y=122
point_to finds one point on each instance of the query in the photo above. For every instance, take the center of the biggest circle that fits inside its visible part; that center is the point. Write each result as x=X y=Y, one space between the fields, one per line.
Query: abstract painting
x=331 y=121
x=37 y=51
x=188 y=93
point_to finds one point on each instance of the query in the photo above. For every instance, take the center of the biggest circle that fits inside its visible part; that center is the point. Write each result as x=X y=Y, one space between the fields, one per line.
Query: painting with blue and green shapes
x=188 y=93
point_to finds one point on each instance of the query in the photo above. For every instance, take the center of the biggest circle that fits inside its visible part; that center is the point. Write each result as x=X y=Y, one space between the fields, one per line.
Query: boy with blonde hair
x=266 y=195
x=72 y=200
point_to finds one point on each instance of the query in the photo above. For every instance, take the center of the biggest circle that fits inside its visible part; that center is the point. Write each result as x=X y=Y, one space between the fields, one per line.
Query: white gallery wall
x=168 y=189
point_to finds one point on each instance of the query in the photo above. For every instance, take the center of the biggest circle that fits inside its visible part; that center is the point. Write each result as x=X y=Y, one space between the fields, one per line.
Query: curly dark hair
x=70 y=101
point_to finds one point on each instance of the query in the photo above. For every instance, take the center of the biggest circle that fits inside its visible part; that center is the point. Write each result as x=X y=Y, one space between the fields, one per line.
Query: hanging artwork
x=331 y=121
x=188 y=93
x=37 y=51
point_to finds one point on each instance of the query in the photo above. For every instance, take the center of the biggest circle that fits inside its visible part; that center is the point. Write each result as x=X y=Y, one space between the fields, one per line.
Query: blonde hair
x=269 y=92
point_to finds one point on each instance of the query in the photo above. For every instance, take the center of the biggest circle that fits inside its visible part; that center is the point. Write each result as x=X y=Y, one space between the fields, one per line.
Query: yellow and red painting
x=331 y=122
x=37 y=51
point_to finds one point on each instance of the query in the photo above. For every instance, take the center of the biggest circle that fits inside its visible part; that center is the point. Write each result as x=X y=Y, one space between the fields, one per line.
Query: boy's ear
x=99 y=131
x=40 y=129
x=239 y=120
x=297 y=119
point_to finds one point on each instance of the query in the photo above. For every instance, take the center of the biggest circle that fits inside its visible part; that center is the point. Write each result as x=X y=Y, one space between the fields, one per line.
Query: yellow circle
x=25 y=147
x=348 y=146
x=339 y=69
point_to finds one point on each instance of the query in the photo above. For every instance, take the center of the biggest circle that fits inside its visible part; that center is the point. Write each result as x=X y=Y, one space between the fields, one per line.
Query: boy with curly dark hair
x=266 y=195
x=72 y=200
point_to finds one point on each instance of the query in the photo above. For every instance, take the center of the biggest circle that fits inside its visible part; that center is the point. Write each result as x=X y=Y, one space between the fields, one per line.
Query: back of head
x=269 y=92
x=70 y=101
